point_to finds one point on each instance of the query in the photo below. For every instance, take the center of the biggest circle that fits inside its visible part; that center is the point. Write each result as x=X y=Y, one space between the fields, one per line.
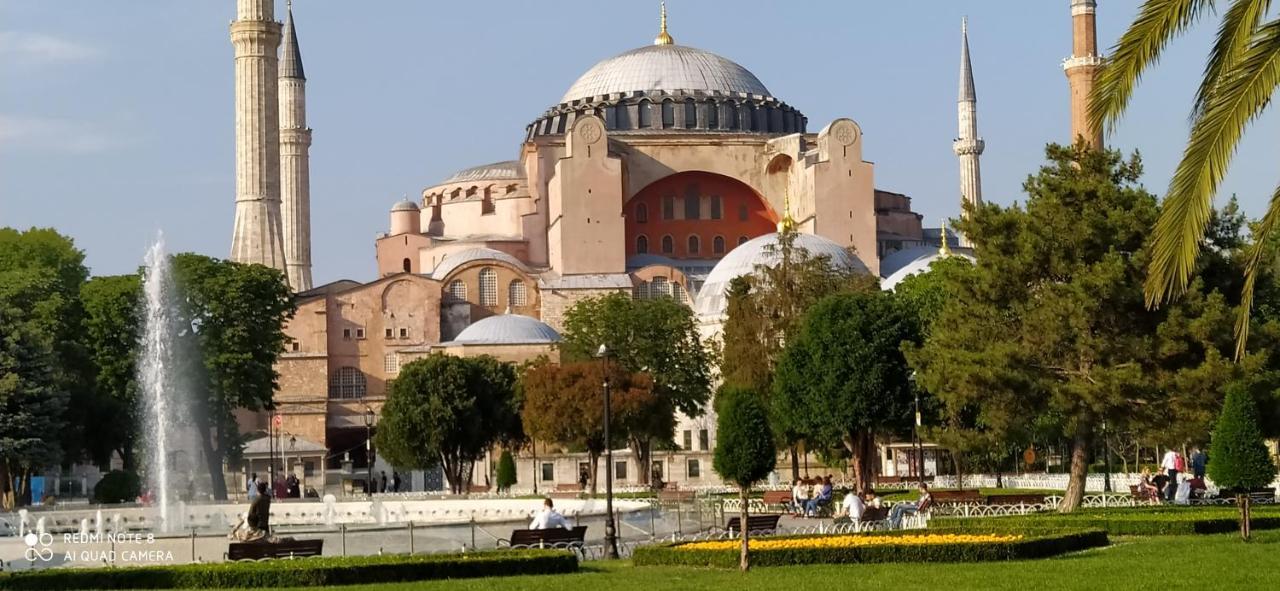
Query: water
x=170 y=450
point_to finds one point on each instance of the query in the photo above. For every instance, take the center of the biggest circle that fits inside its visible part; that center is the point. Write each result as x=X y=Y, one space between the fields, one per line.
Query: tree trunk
x=594 y=458
x=744 y=558
x=862 y=448
x=1243 y=501
x=6 y=493
x=795 y=462
x=1074 y=494
x=641 y=449
x=212 y=458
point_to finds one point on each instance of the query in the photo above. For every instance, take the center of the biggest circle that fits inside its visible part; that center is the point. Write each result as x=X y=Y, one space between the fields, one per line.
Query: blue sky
x=116 y=117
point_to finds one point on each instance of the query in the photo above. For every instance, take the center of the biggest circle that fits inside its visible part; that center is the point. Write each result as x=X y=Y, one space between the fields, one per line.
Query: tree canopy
x=745 y=450
x=112 y=320
x=1238 y=453
x=448 y=411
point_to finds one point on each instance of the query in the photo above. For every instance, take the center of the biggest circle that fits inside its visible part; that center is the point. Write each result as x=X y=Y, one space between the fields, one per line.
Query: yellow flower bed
x=852 y=541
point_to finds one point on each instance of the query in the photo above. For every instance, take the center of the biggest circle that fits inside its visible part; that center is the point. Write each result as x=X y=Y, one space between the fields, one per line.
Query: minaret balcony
x=963 y=147
x=1081 y=61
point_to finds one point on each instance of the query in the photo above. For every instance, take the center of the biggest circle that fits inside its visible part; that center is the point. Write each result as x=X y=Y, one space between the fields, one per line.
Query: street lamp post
x=610 y=533
x=1106 y=459
x=293 y=443
x=916 y=442
x=368 y=448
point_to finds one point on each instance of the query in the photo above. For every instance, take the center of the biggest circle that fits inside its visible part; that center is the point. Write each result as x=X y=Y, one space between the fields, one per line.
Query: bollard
x=343 y=532
x=411 y=536
x=679 y=522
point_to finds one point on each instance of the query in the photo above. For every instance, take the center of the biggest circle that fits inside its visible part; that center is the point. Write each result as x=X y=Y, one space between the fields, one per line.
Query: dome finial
x=788 y=223
x=663 y=38
x=944 y=250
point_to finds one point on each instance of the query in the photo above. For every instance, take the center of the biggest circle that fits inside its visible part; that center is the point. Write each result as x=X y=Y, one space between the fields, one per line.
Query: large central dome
x=667 y=68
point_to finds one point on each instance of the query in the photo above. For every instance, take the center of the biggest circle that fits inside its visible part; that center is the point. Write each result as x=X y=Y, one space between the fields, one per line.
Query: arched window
x=742 y=240
x=347 y=382
x=642 y=213
x=713 y=115
x=408 y=265
x=486 y=203
x=690 y=114
x=659 y=287
x=668 y=114
x=730 y=115
x=642 y=244
x=458 y=290
x=488 y=287
x=668 y=207
x=643 y=116
x=668 y=245
x=517 y=294
x=694 y=244
x=717 y=245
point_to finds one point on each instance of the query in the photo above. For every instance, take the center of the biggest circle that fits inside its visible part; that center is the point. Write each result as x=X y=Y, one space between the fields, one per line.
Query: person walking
x=1169 y=464
x=253 y=486
x=1198 y=463
x=395 y=481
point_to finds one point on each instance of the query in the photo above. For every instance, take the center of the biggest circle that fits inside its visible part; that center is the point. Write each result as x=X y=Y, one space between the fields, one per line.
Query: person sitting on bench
x=852 y=507
x=256 y=526
x=821 y=496
x=903 y=509
x=548 y=517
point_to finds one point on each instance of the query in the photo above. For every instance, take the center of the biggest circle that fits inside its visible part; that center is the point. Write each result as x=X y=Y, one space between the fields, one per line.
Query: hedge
x=1154 y=521
x=1034 y=544
x=303 y=572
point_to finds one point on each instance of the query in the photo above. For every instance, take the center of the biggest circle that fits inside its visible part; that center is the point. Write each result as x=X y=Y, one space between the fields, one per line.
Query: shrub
x=304 y=572
x=1239 y=455
x=1155 y=521
x=506 y=471
x=1034 y=544
x=745 y=449
x=117 y=487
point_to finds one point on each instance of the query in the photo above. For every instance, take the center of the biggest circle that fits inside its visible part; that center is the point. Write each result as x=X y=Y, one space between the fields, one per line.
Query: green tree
x=657 y=336
x=447 y=411
x=1239 y=458
x=1240 y=79
x=843 y=377
x=926 y=293
x=112 y=323
x=33 y=398
x=237 y=314
x=564 y=404
x=745 y=450
x=506 y=471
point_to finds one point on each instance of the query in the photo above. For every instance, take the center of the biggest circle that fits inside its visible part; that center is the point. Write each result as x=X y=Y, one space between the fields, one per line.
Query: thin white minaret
x=256 y=38
x=295 y=168
x=968 y=145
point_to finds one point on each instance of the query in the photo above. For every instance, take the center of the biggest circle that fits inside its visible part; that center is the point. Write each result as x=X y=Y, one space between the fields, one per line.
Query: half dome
x=666 y=68
x=505 y=170
x=761 y=250
x=507 y=329
x=913 y=261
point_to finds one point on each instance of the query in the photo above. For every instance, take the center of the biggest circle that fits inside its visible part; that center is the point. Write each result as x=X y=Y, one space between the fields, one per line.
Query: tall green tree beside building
x=745 y=450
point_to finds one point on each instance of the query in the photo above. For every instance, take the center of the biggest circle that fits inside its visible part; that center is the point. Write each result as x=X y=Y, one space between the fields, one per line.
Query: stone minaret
x=968 y=146
x=295 y=175
x=256 y=37
x=1081 y=69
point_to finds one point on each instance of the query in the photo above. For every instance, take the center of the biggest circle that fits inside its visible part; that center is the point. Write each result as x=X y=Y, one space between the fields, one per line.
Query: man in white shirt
x=548 y=517
x=1170 y=465
x=852 y=507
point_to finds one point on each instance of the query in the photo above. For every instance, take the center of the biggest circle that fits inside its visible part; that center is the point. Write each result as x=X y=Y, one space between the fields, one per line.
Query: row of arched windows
x=693 y=244
x=517 y=292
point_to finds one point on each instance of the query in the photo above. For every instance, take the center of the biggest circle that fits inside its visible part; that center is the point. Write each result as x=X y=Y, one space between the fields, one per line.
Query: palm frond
x=1240 y=96
x=1157 y=22
x=1238 y=26
x=1256 y=255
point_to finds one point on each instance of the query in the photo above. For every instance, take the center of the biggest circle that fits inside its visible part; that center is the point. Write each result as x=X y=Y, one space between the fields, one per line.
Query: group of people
x=284 y=487
x=809 y=496
x=855 y=506
x=382 y=485
x=1171 y=484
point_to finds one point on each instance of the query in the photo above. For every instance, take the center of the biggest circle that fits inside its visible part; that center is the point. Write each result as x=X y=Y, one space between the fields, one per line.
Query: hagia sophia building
x=663 y=171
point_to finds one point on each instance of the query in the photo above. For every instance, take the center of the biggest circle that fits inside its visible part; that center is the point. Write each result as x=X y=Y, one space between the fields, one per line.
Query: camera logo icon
x=38 y=546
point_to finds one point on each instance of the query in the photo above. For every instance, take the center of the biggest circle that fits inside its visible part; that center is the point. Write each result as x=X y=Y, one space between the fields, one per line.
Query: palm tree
x=1240 y=78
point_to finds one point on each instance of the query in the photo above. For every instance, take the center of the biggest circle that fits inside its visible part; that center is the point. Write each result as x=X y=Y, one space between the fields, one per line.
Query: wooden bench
x=777 y=498
x=282 y=549
x=557 y=537
x=956 y=496
x=1019 y=499
x=756 y=524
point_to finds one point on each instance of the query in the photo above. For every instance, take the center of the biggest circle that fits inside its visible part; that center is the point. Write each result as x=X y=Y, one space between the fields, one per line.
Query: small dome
x=912 y=261
x=404 y=205
x=495 y=171
x=457 y=259
x=507 y=329
x=743 y=260
x=667 y=68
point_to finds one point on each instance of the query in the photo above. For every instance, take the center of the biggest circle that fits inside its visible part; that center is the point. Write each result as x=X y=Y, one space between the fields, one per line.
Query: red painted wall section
x=663 y=209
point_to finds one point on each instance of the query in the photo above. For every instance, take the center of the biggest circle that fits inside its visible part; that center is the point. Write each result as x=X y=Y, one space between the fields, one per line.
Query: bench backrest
x=556 y=535
x=954 y=496
x=774 y=497
x=1027 y=499
x=754 y=523
x=258 y=550
x=874 y=514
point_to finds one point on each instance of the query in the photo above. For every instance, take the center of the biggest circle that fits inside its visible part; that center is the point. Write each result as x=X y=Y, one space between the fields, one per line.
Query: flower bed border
x=302 y=572
x=1035 y=544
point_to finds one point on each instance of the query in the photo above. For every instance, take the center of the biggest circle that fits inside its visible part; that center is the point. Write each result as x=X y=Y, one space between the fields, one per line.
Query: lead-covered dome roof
x=667 y=68
x=762 y=250
x=507 y=329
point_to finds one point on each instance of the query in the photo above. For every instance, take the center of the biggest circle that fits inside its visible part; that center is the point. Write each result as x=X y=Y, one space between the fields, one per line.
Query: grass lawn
x=1174 y=562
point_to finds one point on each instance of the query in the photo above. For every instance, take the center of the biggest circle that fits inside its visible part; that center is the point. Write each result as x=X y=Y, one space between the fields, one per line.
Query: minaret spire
x=968 y=145
x=663 y=38
x=1082 y=69
x=255 y=35
x=295 y=160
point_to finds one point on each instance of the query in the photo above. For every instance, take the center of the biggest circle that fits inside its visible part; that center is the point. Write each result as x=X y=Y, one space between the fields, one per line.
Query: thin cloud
x=27 y=48
x=23 y=133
